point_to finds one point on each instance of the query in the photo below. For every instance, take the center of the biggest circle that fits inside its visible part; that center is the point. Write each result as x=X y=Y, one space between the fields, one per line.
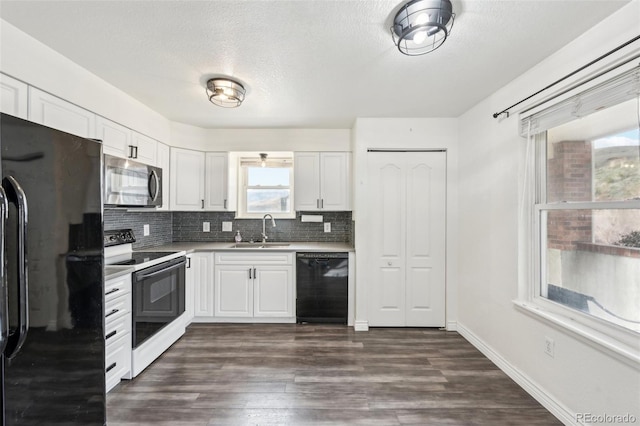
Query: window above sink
x=265 y=185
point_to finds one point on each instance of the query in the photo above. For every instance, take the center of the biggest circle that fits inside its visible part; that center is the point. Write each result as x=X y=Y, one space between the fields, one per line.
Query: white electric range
x=158 y=295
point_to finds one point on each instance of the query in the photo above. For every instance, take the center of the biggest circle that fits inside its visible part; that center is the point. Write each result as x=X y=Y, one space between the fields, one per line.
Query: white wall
x=186 y=136
x=398 y=133
x=29 y=60
x=580 y=378
x=34 y=63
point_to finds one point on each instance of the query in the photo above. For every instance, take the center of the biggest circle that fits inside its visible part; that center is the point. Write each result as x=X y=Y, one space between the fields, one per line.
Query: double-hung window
x=584 y=214
x=266 y=186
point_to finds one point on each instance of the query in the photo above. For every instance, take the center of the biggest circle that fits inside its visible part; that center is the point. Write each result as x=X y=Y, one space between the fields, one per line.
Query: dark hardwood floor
x=322 y=375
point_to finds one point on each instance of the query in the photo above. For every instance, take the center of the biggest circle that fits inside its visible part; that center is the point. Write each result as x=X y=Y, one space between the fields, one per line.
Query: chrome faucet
x=264 y=230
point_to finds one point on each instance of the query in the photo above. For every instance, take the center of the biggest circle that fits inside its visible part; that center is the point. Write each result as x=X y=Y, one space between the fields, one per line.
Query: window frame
x=244 y=163
x=618 y=341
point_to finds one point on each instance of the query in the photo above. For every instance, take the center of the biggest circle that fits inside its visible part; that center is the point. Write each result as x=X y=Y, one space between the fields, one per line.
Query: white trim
x=452 y=326
x=556 y=408
x=600 y=340
x=361 y=325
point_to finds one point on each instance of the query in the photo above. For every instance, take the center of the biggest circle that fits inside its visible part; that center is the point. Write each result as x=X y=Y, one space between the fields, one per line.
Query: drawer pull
x=111 y=367
x=112 y=291
x=112 y=312
x=110 y=335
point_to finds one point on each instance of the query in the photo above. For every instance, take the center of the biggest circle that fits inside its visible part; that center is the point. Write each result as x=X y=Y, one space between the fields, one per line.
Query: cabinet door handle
x=113 y=311
x=110 y=335
x=111 y=367
x=130 y=151
x=225 y=204
x=188 y=262
x=255 y=274
x=322 y=203
x=114 y=290
x=250 y=277
x=317 y=203
x=136 y=149
x=202 y=202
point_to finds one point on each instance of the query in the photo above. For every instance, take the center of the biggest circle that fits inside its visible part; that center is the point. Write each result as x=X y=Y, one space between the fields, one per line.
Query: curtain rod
x=622 y=46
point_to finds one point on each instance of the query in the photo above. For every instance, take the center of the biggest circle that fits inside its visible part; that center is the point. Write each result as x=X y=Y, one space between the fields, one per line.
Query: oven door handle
x=141 y=276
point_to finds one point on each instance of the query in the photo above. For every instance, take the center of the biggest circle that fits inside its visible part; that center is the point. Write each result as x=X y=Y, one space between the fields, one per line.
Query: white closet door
x=387 y=233
x=425 y=243
x=407 y=230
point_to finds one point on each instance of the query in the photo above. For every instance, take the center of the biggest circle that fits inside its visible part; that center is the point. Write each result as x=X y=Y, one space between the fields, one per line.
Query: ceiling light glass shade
x=421 y=26
x=225 y=92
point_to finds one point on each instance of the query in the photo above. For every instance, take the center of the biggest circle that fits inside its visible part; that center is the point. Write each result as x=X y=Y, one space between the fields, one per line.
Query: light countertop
x=295 y=246
x=111 y=272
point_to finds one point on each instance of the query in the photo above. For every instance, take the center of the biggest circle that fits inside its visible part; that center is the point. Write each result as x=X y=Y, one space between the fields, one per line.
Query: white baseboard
x=452 y=326
x=361 y=326
x=532 y=388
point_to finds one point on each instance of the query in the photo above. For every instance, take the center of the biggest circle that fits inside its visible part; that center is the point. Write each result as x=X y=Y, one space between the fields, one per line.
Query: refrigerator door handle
x=15 y=194
x=4 y=289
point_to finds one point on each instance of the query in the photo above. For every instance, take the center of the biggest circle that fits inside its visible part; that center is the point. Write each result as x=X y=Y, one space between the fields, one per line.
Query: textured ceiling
x=305 y=63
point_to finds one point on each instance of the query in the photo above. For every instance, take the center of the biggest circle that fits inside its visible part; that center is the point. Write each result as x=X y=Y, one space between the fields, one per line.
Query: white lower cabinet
x=117 y=330
x=254 y=286
x=200 y=280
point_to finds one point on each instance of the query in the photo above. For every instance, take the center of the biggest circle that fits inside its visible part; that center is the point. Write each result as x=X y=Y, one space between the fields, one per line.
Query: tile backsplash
x=160 y=225
x=187 y=226
x=166 y=227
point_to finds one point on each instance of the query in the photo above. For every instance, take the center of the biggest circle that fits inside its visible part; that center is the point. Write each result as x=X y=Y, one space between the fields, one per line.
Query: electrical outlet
x=145 y=230
x=227 y=226
x=549 y=346
x=206 y=227
x=327 y=227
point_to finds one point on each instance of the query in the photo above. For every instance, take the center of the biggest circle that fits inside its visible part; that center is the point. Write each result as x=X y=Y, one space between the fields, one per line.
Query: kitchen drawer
x=117 y=287
x=118 y=361
x=270 y=258
x=116 y=308
x=116 y=328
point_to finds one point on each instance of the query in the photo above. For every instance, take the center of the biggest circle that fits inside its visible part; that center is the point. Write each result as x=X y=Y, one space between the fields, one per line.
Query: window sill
x=627 y=353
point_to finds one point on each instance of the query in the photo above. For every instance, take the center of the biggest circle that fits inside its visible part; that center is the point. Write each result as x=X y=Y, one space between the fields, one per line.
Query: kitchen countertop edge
x=294 y=246
x=111 y=272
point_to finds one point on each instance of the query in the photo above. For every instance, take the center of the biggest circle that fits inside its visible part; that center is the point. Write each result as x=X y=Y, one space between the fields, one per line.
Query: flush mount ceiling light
x=421 y=26
x=225 y=92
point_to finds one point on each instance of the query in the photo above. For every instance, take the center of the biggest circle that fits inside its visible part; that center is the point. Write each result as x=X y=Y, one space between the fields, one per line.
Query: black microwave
x=131 y=184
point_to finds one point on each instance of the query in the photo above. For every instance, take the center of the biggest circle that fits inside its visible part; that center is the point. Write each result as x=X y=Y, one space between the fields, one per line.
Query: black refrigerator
x=51 y=303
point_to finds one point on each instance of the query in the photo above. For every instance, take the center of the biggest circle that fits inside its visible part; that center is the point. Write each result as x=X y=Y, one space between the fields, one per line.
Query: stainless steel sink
x=259 y=245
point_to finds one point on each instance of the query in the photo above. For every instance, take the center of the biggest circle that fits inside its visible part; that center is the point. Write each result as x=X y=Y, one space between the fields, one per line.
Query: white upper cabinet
x=116 y=139
x=59 y=114
x=163 y=161
x=198 y=180
x=120 y=141
x=216 y=185
x=14 y=97
x=187 y=180
x=144 y=148
x=322 y=181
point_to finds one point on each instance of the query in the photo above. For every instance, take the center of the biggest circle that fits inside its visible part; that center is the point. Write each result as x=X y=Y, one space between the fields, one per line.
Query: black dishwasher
x=322 y=287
